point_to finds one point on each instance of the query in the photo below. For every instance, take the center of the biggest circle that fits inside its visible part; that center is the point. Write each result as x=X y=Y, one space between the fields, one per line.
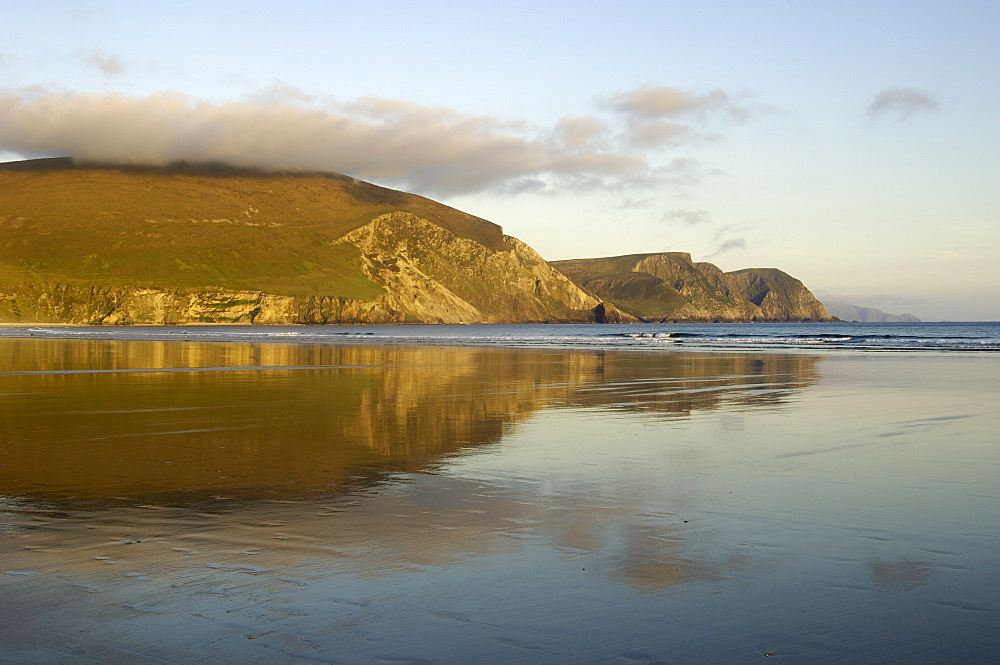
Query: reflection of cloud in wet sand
x=420 y=522
x=899 y=575
x=551 y=506
x=327 y=456
x=289 y=582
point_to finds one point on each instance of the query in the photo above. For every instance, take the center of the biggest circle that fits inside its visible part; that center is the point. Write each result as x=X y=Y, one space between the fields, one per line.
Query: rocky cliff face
x=669 y=286
x=426 y=273
x=432 y=275
x=114 y=246
x=779 y=296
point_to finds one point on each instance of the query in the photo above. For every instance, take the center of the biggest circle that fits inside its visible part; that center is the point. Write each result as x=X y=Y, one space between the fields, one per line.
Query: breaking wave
x=676 y=336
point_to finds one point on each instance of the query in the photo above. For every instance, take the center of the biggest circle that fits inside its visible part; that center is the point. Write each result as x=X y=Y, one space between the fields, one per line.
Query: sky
x=854 y=145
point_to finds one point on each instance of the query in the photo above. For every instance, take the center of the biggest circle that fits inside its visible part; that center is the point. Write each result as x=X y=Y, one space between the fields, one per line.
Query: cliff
x=847 y=312
x=99 y=244
x=203 y=243
x=670 y=286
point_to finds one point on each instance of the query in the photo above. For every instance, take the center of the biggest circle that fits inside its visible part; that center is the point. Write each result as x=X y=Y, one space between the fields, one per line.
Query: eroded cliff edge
x=107 y=245
x=425 y=274
x=669 y=286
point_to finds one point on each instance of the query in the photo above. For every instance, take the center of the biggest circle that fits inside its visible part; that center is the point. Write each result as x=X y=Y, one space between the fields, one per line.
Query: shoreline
x=839 y=337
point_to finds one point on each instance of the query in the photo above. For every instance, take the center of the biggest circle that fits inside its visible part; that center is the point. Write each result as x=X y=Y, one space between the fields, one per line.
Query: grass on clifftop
x=612 y=278
x=192 y=227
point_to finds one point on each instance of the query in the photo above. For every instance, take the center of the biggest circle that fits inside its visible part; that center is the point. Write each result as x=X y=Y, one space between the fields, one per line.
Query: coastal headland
x=208 y=243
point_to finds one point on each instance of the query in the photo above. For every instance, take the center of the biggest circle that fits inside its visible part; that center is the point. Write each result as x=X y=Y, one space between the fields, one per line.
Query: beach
x=187 y=501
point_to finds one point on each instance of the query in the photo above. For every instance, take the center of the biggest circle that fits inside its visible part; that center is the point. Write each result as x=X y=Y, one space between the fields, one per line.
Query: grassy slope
x=638 y=293
x=781 y=283
x=195 y=227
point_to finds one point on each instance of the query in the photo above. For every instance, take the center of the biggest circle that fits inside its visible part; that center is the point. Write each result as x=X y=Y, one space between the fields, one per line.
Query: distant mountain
x=847 y=312
x=670 y=286
x=215 y=244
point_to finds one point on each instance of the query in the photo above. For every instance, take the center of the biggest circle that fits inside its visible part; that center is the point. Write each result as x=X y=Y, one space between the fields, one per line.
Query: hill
x=107 y=244
x=847 y=312
x=670 y=286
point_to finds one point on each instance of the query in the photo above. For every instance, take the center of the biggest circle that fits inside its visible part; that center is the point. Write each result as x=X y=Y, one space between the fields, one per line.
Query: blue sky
x=854 y=145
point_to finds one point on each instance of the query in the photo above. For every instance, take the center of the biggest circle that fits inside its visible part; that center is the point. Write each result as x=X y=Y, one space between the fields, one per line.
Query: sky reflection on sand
x=436 y=505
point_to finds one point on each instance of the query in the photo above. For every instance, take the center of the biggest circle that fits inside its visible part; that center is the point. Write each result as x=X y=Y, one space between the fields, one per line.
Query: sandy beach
x=198 y=502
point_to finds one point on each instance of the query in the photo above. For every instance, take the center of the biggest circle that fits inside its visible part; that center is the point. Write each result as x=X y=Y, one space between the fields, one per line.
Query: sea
x=680 y=494
x=813 y=337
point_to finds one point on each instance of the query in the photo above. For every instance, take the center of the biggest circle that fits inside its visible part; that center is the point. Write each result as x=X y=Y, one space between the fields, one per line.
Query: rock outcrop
x=669 y=286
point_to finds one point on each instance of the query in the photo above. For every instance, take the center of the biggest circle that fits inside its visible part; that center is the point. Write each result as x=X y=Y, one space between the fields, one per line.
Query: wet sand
x=180 y=502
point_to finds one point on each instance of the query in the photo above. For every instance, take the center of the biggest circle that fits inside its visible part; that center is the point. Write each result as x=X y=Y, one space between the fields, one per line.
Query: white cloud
x=107 y=63
x=631 y=203
x=658 y=116
x=728 y=238
x=432 y=150
x=687 y=217
x=654 y=102
x=728 y=245
x=280 y=92
x=581 y=132
x=902 y=103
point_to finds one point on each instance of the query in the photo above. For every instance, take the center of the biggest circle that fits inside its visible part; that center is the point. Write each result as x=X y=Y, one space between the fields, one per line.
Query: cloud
x=107 y=63
x=655 y=102
x=729 y=245
x=902 y=103
x=431 y=150
x=280 y=92
x=428 y=149
x=630 y=203
x=658 y=116
x=728 y=238
x=579 y=133
x=681 y=171
x=688 y=217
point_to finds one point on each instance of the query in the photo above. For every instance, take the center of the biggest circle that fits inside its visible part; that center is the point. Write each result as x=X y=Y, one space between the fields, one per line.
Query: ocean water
x=949 y=336
x=495 y=494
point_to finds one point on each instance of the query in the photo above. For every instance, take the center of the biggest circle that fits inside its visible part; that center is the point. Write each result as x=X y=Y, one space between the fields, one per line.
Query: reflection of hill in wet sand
x=93 y=418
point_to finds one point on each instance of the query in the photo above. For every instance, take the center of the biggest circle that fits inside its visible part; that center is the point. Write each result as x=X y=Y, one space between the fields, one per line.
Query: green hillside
x=198 y=226
x=639 y=293
x=106 y=244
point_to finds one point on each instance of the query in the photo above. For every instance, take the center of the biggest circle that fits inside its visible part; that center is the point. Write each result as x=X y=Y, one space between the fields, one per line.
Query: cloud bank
x=901 y=103
x=427 y=149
